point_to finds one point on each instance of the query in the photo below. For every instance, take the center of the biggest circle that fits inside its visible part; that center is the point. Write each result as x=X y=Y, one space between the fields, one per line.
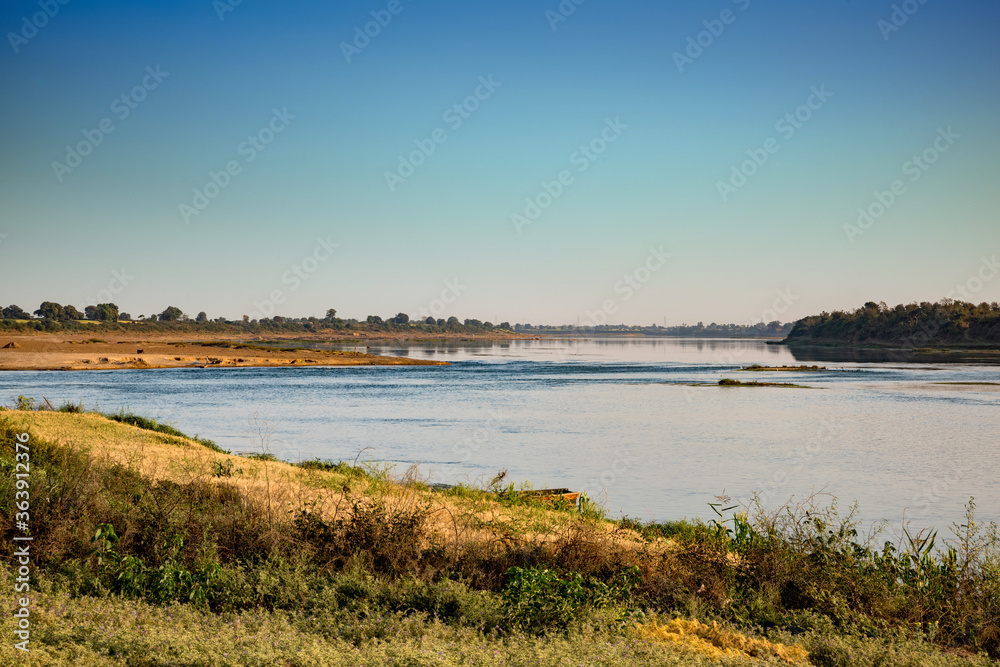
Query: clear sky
x=654 y=138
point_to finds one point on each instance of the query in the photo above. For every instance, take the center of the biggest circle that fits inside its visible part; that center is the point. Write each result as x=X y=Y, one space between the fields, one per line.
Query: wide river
x=617 y=418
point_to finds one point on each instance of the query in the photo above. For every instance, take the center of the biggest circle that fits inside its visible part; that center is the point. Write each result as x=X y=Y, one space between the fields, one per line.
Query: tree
x=89 y=312
x=331 y=314
x=125 y=317
x=106 y=312
x=13 y=312
x=374 y=319
x=431 y=321
x=202 y=317
x=401 y=318
x=49 y=310
x=71 y=313
x=171 y=314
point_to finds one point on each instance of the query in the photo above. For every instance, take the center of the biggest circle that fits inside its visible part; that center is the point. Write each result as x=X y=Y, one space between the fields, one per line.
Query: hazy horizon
x=686 y=163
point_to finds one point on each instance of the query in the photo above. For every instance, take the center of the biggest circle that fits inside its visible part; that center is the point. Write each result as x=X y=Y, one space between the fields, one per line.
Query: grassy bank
x=153 y=548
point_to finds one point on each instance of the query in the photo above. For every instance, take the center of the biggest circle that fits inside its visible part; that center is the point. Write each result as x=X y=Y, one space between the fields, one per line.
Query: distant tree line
x=761 y=330
x=946 y=322
x=51 y=316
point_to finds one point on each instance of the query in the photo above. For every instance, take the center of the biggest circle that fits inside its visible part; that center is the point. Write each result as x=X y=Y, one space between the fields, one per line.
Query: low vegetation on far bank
x=153 y=548
x=925 y=327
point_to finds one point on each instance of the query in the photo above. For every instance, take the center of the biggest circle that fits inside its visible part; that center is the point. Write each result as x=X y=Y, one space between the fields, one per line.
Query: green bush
x=540 y=600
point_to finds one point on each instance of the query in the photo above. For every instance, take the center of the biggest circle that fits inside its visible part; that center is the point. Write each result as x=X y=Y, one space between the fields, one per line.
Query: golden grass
x=286 y=488
x=716 y=642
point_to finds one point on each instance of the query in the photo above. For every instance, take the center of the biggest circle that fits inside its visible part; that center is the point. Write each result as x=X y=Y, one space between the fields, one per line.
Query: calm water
x=614 y=417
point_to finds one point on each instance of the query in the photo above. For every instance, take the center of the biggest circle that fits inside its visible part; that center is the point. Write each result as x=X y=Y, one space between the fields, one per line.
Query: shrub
x=539 y=600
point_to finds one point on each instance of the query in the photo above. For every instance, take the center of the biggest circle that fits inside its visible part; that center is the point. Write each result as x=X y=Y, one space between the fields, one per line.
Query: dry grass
x=475 y=522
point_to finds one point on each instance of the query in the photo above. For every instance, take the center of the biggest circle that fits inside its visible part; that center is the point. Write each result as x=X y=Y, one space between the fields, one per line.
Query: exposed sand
x=73 y=352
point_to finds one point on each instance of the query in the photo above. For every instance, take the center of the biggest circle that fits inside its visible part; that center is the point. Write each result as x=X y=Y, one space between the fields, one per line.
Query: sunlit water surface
x=616 y=418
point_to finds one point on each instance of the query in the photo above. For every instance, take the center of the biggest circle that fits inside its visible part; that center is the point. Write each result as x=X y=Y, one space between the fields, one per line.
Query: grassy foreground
x=152 y=548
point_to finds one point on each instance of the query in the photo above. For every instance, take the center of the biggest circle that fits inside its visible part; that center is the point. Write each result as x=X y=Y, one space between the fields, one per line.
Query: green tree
x=106 y=312
x=401 y=318
x=374 y=319
x=331 y=314
x=202 y=317
x=171 y=314
x=71 y=313
x=13 y=312
x=49 y=310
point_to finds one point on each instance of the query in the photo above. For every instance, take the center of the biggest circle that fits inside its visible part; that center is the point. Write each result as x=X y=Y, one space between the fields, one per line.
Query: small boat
x=551 y=495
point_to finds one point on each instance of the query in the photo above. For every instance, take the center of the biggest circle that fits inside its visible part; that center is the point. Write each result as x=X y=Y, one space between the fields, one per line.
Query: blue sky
x=652 y=148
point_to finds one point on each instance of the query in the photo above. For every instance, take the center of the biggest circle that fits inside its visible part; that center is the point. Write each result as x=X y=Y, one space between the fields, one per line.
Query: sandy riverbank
x=103 y=352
